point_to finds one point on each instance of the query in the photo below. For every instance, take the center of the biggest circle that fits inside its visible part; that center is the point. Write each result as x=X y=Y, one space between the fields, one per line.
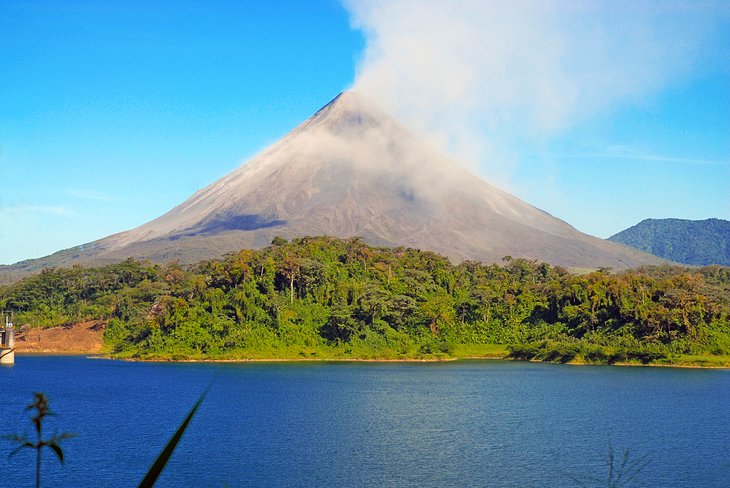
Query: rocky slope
x=352 y=170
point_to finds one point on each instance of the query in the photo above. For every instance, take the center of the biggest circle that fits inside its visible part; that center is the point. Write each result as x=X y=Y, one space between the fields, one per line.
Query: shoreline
x=96 y=355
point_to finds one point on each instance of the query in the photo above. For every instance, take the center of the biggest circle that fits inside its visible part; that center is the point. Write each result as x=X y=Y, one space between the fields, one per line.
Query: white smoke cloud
x=482 y=76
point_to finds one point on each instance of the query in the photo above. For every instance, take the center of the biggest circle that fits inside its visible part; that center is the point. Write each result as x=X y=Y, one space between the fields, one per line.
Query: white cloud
x=637 y=155
x=483 y=76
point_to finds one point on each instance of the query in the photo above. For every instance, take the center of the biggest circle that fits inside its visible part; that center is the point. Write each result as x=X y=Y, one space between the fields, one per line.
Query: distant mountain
x=352 y=170
x=696 y=242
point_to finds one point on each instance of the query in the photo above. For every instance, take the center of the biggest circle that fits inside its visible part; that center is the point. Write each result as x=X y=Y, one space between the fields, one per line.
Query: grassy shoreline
x=460 y=352
x=710 y=362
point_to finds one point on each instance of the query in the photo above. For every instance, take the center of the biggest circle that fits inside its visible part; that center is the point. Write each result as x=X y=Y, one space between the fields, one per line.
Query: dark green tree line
x=326 y=296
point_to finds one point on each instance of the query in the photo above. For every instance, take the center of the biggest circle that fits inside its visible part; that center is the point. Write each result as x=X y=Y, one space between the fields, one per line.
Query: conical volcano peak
x=353 y=170
x=350 y=101
x=351 y=108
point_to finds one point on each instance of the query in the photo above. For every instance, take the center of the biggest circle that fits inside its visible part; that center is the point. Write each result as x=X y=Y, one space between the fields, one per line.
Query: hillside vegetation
x=695 y=242
x=329 y=298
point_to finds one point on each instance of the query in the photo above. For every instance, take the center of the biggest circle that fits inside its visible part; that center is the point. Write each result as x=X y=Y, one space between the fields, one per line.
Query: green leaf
x=57 y=449
x=154 y=472
x=20 y=448
x=14 y=438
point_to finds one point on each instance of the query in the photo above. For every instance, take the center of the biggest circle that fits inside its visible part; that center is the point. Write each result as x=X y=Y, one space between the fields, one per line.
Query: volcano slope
x=352 y=170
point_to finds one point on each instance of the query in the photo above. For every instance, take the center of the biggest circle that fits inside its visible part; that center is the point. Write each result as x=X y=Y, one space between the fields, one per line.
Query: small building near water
x=7 y=343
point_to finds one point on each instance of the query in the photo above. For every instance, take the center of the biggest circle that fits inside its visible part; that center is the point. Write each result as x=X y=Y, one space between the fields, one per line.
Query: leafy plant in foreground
x=620 y=473
x=156 y=470
x=40 y=405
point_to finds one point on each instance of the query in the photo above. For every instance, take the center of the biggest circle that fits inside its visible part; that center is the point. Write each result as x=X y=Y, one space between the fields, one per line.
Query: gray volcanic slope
x=352 y=170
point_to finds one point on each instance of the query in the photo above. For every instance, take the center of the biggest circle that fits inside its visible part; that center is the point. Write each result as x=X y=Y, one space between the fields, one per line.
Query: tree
x=40 y=405
x=291 y=267
x=279 y=241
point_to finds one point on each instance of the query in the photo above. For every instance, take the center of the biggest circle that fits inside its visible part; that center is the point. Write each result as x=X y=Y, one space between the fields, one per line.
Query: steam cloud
x=482 y=76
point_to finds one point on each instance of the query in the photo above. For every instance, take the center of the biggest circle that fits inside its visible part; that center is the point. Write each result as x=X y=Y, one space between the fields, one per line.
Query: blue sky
x=111 y=113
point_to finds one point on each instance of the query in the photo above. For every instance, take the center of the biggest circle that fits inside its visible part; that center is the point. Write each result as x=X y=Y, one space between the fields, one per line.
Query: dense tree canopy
x=325 y=297
x=694 y=242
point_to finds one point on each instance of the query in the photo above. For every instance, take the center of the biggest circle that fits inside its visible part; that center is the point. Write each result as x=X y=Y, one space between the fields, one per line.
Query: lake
x=465 y=423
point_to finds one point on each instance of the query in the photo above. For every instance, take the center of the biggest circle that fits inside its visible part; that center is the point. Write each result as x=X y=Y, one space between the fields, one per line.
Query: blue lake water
x=475 y=423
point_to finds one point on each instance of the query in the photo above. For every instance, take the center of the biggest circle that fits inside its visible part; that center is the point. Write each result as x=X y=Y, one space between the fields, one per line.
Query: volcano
x=353 y=170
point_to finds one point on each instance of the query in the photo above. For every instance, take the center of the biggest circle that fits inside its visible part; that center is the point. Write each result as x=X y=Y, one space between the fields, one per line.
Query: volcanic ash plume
x=481 y=77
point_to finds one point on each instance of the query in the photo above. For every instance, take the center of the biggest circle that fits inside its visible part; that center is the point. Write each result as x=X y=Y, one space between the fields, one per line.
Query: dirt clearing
x=83 y=338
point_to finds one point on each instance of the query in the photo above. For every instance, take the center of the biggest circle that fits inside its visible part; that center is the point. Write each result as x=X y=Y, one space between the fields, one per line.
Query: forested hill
x=325 y=297
x=695 y=242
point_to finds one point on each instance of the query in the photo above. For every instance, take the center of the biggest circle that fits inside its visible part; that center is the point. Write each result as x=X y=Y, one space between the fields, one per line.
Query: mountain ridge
x=694 y=242
x=353 y=170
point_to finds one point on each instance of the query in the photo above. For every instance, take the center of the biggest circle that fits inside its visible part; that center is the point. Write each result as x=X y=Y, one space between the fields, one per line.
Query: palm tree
x=40 y=405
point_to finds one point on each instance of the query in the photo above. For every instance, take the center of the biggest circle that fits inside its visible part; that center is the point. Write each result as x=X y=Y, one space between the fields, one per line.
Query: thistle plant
x=42 y=410
x=620 y=473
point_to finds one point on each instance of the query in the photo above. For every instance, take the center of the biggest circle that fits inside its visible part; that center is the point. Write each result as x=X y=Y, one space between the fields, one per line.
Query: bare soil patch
x=82 y=338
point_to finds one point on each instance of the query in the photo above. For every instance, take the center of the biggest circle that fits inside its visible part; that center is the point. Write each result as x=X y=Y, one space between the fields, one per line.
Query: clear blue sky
x=111 y=113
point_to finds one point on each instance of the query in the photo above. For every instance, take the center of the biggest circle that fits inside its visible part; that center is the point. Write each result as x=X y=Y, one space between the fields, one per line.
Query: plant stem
x=38 y=459
x=38 y=469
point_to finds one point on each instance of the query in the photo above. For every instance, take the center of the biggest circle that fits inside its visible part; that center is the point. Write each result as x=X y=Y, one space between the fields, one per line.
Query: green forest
x=694 y=242
x=326 y=298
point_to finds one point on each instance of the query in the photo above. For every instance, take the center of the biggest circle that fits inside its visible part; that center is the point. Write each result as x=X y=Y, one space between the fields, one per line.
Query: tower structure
x=7 y=343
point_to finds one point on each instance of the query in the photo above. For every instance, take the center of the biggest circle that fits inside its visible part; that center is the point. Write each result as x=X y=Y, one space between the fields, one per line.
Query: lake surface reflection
x=467 y=423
